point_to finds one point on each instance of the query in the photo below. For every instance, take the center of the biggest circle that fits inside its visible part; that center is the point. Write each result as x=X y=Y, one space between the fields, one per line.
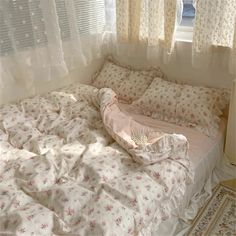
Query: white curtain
x=214 y=31
x=45 y=39
x=150 y=23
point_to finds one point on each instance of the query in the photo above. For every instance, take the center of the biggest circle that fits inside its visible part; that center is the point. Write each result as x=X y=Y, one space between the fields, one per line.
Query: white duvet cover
x=62 y=174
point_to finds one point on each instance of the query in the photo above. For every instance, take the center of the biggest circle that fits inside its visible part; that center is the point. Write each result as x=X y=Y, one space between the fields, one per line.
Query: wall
x=180 y=67
x=18 y=91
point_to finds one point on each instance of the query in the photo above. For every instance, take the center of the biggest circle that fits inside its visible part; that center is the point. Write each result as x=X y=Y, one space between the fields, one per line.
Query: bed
x=61 y=173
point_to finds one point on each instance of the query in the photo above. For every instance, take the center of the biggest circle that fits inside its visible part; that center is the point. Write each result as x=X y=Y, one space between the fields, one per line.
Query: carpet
x=218 y=216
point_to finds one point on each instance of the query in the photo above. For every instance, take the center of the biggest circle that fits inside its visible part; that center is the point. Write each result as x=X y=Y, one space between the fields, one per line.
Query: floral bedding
x=146 y=145
x=61 y=173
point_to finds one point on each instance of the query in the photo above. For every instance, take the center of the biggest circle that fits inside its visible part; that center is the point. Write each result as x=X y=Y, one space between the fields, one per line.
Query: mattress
x=204 y=152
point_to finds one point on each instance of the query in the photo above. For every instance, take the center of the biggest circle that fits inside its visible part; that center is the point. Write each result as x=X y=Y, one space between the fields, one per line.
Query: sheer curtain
x=150 y=23
x=44 y=40
x=214 y=31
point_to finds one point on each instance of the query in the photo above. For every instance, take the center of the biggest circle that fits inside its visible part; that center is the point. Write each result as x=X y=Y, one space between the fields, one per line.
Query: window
x=188 y=13
x=16 y=23
x=90 y=16
x=22 y=21
x=185 y=30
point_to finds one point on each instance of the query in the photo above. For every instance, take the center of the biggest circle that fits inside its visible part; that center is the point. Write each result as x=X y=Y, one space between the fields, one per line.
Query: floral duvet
x=61 y=173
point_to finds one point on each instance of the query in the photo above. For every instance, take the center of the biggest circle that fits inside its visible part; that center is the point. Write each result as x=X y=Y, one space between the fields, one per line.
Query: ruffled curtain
x=44 y=40
x=214 y=31
x=152 y=23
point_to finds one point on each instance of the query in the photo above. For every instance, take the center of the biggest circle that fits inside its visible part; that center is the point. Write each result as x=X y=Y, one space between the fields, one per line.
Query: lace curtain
x=41 y=39
x=148 y=22
x=214 y=31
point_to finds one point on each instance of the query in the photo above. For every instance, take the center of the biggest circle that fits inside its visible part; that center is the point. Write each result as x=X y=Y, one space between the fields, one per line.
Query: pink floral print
x=201 y=108
x=159 y=100
x=128 y=83
x=111 y=76
x=62 y=173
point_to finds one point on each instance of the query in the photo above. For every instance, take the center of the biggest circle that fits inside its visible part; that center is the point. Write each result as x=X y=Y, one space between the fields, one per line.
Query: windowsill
x=184 y=34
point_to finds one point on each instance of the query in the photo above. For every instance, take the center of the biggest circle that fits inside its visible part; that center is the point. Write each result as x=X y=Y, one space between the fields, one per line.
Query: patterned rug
x=218 y=217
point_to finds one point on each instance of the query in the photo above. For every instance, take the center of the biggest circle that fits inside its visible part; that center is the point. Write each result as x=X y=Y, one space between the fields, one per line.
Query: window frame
x=184 y=33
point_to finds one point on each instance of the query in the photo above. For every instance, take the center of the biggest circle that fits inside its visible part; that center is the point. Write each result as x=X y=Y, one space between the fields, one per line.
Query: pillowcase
x=191 y=106
x=128 y=83
x=222 y=97
x=134 y=86
x=111 y=76
x=159 y=100
x=201 y=107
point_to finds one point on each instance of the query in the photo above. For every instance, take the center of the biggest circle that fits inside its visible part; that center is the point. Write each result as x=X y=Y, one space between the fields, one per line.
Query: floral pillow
x=111 y=76
x=201 y=107
x=134 y=86
x=127 y=82
x=222 y=97
x=159 y=100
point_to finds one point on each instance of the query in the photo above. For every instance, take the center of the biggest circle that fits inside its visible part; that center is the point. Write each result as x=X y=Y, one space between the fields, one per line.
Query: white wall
x=18 y=91
x=180 y=68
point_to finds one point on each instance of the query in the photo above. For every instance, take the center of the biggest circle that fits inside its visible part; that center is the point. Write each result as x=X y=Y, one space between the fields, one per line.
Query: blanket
x=146 y=145
x=61 y=173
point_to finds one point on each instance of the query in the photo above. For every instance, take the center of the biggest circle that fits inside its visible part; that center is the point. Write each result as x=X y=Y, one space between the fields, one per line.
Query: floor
x=230 y=184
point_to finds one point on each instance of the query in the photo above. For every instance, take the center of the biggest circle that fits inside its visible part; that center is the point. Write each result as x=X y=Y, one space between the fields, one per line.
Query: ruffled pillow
x=111 y=76
x=128 y=83
x=135 y=85
x=159 y=100
x=201 y=107
x=191 y=106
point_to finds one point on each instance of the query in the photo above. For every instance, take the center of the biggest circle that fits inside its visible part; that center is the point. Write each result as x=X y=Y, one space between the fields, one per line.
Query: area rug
x=218 y=216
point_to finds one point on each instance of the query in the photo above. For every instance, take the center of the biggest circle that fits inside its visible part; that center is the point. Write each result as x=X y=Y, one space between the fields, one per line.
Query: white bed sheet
x=204 y=152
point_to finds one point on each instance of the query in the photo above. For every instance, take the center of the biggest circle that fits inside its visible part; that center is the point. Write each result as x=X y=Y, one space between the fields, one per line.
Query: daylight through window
x=188 y=13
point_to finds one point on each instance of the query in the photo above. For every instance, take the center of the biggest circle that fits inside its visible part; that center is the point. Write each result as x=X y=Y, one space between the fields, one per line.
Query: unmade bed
x=61 y=172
